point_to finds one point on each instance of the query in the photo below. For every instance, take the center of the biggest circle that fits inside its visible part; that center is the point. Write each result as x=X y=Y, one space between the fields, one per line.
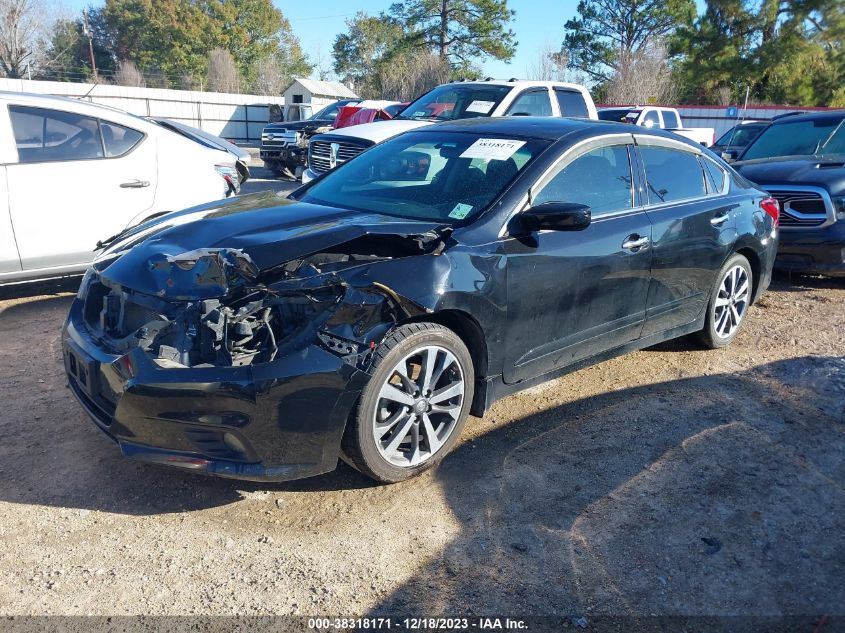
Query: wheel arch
x=467 y=329
x=756 y=268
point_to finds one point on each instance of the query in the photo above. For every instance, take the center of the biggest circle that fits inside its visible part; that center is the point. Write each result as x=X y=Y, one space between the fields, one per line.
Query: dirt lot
x=670 y=481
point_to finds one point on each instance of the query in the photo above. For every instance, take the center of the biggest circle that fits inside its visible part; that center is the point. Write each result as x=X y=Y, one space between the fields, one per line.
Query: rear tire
x=414 y=407
x=729 y=303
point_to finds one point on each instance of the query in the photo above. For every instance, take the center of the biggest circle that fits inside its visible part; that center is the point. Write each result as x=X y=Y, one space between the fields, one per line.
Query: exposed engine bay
x=258 y=315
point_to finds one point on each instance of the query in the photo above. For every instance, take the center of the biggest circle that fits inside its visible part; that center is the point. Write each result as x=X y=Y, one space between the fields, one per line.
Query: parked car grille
x=278 y=138
x=320 y=154
x=801 y=208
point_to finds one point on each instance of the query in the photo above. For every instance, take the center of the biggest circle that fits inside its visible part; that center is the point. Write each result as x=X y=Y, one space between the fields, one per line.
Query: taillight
x=230 y=178
x=772 y=208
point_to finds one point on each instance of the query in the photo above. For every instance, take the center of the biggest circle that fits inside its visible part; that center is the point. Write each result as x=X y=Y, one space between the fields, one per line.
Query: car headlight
x=839 y=206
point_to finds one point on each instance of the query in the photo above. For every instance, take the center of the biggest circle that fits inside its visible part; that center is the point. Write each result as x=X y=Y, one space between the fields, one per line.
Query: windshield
x=431 y=176
x=456 y=101
x=330 y=111
x=740 y=135
x=799 y=138
x=617 y=114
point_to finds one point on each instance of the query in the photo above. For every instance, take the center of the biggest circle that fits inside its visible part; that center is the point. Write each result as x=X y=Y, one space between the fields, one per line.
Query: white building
x=317 y=93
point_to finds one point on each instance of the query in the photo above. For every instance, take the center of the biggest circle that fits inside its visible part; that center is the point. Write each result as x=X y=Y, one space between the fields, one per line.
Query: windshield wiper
x=827 y=140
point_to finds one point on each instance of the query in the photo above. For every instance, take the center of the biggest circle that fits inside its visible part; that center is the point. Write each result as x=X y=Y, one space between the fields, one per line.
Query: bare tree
x=643 y=76
x=322 y=64
x=270 y=77
x=127 y=74
x=23 y=33
x=407 y=75
x=550 y=64
x=725 y=94
x=223 y=73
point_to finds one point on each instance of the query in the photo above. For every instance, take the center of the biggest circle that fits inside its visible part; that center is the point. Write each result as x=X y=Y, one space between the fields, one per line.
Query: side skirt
x=493 y=388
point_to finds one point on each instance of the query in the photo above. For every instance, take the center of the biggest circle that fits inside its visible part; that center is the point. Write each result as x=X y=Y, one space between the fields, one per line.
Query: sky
x=317 y=24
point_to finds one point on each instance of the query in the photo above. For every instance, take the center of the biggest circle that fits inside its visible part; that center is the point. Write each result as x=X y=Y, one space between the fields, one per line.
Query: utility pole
x=86 y=31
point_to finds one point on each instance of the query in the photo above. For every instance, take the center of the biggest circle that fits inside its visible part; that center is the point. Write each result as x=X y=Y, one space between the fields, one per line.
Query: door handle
x=719 y=220
x=135 y=184
x=635 y=242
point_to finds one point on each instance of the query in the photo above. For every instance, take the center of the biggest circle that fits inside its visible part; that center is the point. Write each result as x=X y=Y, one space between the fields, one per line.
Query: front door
x=573 y=294
x=78 y=179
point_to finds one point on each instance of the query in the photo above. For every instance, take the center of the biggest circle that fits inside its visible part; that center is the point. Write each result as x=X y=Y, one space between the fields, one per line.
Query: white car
x=448 y=102
x=75 y=173
x=659 y=117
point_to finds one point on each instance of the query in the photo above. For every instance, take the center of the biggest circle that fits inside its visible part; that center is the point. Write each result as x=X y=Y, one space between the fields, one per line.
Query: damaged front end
x=215 y=308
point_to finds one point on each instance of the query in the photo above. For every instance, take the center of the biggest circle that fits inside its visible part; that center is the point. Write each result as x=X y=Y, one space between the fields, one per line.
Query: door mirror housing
x=557 y=216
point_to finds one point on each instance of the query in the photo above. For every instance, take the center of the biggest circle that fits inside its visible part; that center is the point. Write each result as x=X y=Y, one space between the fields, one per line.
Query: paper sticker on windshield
x=492 y=149
x=481 y=106
x=460 y=211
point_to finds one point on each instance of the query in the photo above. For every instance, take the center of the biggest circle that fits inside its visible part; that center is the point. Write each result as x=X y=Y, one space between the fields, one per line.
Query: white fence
x=235 y=117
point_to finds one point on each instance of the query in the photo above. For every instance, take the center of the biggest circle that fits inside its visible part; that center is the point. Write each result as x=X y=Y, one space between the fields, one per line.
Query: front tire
x=413 y=409
x=729 y=303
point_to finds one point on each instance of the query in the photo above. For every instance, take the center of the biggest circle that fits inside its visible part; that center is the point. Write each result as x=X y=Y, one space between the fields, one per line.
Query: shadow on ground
x=713 y=495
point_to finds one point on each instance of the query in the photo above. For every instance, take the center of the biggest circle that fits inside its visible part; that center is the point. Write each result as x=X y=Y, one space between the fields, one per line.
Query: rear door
x=574 y=294
x=78 y=179
x=694 y=229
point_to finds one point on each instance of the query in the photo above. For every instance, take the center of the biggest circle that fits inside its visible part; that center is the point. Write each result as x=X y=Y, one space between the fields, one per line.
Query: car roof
x=518 y=83
x=72 y=104
x=809 y=116
x=546 y=128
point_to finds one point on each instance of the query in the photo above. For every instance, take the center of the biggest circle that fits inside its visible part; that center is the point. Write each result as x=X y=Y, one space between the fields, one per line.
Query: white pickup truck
x=658 y=117
x=449 y=102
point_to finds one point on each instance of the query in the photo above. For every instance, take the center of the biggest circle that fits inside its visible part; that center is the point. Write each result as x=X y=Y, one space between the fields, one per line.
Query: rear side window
x=672 y=175
x=670 y=120
x=53 y=135
x=571 y=103
x=533 y=103
x=118 y=140
x=715 y=175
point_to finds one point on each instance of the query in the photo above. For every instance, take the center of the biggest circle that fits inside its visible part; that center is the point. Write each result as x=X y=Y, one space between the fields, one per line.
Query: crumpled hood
x=200 y=252
x=828 y=172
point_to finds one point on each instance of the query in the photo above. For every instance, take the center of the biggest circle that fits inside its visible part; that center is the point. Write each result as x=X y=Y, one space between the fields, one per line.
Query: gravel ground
x=669 y=481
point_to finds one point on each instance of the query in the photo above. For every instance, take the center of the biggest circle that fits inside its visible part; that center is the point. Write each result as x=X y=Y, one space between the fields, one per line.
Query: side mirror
x=557 y=216
x=730 y=155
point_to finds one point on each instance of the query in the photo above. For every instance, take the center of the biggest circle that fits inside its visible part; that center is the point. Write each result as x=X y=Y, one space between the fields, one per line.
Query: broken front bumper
x=268 y=422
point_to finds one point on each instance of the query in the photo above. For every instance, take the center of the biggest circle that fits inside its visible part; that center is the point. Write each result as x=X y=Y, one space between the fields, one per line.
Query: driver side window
x=532 y=103
x=601 y=179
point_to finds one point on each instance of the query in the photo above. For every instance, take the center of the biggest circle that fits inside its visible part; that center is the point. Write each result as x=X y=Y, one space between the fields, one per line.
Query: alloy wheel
x=419 y=405
x=731 y=302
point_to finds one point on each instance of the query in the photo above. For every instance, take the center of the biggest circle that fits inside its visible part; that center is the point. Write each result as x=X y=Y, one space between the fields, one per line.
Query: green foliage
x=169 y=40
x=368 y=43
x=606 y=31
x=458 y=30
x=783 y=51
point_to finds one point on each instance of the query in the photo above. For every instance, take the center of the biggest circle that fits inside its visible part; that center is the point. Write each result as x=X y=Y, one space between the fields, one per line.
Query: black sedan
x=366 y=315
